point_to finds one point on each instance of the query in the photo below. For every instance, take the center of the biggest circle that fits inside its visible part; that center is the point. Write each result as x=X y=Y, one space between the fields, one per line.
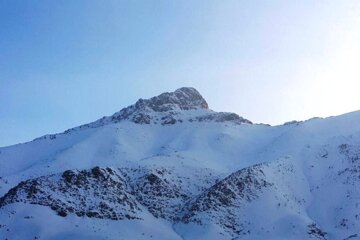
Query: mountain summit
x=185 y=98
x=183 y=105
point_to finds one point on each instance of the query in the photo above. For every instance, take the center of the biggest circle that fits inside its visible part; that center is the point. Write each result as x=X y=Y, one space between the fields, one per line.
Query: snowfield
x=170 y=168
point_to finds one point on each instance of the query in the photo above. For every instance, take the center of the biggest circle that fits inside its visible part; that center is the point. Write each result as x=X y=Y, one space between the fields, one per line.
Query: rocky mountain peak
x=172 y=107
x=185 y=98
x=166 y=109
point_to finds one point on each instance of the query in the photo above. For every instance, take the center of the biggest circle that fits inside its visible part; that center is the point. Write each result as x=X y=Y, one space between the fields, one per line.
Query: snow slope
x=170 y=168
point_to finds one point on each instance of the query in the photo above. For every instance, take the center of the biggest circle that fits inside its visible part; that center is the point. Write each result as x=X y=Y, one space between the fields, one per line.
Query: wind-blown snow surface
x=185 y=172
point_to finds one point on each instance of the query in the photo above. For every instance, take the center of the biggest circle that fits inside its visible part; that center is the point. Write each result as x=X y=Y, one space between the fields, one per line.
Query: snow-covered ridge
x=110 y=193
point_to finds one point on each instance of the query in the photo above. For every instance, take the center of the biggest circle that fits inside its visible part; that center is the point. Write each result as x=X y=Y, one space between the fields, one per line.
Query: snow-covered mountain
x=171 y=168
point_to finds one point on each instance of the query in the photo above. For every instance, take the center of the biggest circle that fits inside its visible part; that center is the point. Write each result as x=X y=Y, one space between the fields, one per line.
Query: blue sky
x=65 y=63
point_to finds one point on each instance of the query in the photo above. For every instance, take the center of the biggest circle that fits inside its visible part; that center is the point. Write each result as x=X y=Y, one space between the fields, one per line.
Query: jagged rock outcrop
x=170 y=108
x=160 y=194
x=117 y=194
x=221 y=117
x=185 y=98
x=219 y=203
x=316 y=232
x=351 y=160
x=99 y=193
x=110 y=193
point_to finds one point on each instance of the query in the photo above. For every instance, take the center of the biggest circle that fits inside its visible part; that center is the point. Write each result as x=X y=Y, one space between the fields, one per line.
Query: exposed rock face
x=109 y=193
x=99 y=193
x=171 y=108
x=124 y=193
x=162 y=198
x=316 y=232
x=221 y=117
x=351 y=160
x=219 y=203
x=183 y=98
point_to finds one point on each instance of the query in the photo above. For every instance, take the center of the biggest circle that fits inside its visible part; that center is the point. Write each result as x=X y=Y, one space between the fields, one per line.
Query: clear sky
x=65 y=63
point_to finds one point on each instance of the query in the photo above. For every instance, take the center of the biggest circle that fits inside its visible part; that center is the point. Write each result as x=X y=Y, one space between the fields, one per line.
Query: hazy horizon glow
x=62 y=65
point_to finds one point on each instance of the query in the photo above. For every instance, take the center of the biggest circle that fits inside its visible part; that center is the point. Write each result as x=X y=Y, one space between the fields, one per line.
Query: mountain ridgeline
x=168 y=167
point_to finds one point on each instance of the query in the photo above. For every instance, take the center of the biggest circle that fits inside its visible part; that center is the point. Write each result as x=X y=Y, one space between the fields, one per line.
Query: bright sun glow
x=334 y=83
